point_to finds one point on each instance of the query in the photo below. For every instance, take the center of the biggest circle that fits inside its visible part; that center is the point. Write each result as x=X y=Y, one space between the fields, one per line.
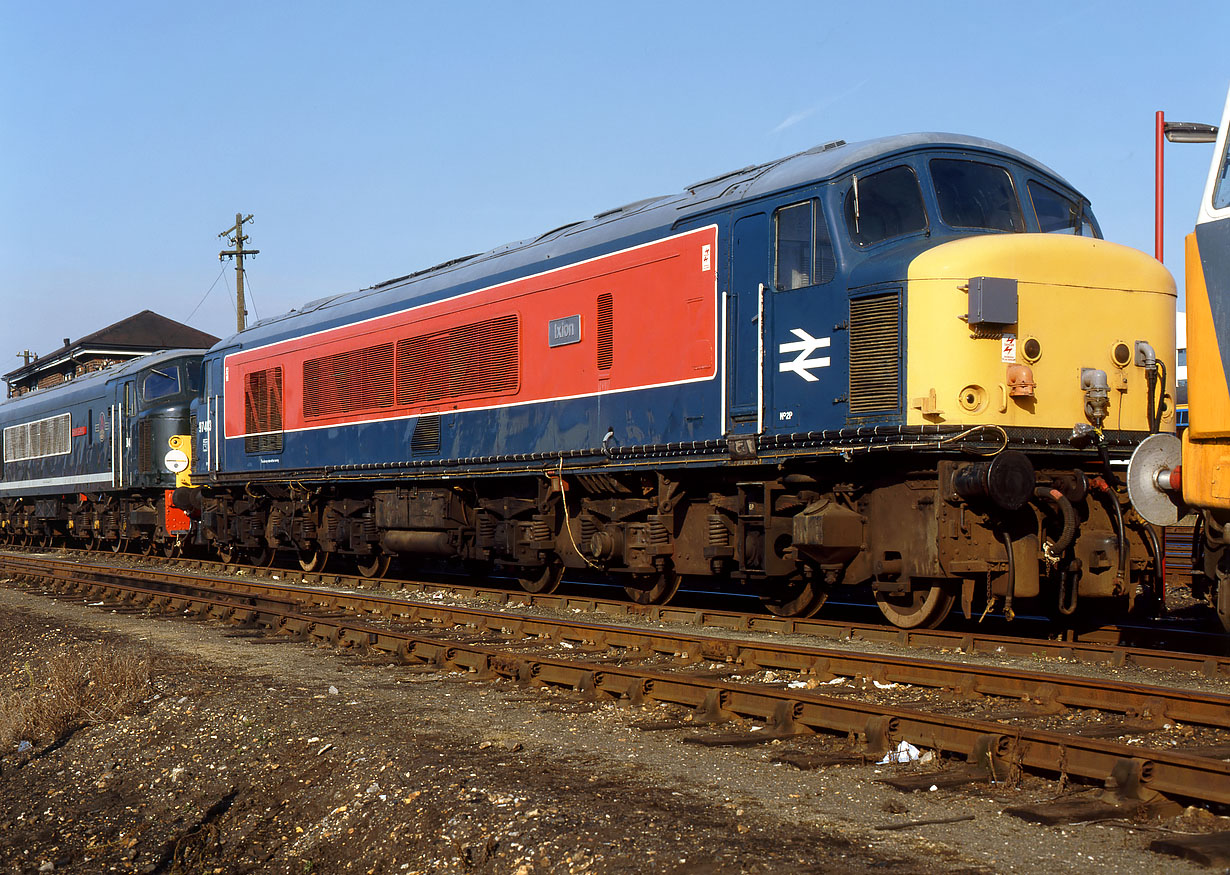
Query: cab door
x=744 y=301
x=123 y=421
x=806 y=333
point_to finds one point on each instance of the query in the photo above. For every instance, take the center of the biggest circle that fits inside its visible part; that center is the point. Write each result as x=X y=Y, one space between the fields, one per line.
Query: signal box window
x=804 y=249
x=975 y=195
x=1058 y=214
x=884 y=205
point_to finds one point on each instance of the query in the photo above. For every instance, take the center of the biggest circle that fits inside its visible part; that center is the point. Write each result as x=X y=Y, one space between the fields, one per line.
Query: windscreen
x=160 y=382
x=972 y=194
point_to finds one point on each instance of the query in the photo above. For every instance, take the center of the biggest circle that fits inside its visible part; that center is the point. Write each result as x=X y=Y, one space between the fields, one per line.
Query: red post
x=1159 y=187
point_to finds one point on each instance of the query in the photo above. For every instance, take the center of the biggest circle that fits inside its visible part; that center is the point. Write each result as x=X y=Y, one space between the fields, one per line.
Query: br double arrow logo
x=805 y=346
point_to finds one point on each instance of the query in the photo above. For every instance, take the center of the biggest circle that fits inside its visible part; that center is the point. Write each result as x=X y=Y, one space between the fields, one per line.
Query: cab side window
x=1058 y=214
x=1221 y=189
x=803 y=249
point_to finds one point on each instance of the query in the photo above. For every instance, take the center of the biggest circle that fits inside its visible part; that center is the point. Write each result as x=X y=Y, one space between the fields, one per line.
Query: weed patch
x=53 y=699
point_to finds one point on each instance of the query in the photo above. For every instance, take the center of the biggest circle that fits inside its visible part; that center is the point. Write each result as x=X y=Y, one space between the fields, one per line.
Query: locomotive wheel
x=172 y=548
x=47 y=541
x=919 y=609
x=118 y=545
x=374 y=567
x=796 y=597
x=92 y=544
x=147 y=546
x=313 y=560
x=541 y=579
x=261 y=557
x=658 y=589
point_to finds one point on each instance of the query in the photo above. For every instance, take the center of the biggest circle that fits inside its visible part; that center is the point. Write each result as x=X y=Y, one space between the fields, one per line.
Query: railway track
x=1175 y=648
x=1147 y=743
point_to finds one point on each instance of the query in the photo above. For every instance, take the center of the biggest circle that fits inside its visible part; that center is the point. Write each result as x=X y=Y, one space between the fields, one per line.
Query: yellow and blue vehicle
x=901 y=365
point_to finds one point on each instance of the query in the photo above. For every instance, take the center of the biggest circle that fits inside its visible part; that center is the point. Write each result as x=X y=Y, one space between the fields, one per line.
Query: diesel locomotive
x=88 y=459
x=906 y=365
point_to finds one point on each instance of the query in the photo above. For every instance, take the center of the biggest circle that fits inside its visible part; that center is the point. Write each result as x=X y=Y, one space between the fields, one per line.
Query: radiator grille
x=262 y=411
x=470 y=360
x=360 y=379
x=875 y=353
x=605 y=335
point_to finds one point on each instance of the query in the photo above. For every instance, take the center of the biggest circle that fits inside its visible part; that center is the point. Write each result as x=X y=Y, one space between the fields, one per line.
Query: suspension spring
x=539 y=530
x=657 y=532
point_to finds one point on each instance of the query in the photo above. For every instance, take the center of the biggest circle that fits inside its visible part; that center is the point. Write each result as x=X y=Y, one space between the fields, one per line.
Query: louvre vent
x=36 y=440
x=471 y=360
x=262 y=411
x=348 y=381
x=145 y=446
x=605 y=337
x=875 y=354
x=426 y=435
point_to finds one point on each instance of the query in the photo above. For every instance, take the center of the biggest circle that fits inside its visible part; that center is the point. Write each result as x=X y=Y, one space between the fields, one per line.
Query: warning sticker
x=1007 y=348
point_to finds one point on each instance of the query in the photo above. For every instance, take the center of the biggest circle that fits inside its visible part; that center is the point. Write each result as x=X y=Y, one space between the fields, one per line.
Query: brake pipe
x=1102 y=487
x=1066 y=511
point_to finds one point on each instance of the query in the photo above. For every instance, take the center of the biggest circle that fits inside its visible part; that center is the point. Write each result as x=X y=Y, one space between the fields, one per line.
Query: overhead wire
x=206 y=295
x=249 y=297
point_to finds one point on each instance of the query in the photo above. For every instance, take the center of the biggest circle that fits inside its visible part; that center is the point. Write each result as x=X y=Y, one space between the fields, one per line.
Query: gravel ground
x=248 y=756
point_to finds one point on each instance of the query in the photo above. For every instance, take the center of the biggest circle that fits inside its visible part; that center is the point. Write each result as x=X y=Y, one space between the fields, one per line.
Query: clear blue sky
x=372 y=139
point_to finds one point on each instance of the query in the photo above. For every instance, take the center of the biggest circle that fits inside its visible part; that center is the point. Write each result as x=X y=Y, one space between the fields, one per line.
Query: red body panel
x=176 y=521
x=664 y=331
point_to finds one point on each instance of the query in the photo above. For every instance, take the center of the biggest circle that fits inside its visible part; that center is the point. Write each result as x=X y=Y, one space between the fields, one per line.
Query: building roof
x=145 y=332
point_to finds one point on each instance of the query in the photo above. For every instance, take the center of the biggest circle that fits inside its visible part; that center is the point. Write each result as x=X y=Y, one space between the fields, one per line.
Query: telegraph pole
x=235 y=236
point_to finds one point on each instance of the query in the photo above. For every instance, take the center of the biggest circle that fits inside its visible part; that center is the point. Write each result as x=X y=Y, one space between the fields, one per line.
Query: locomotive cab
x=149 y=416
x=967 y=295
x=153 y=407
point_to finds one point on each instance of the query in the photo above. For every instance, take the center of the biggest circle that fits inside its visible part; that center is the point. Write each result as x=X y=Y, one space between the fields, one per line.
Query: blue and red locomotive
x=903 y=363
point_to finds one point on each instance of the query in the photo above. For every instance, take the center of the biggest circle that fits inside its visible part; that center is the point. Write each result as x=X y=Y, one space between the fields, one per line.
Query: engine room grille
x=35 y=440
x=875 y=347
x=605 y=338
x=145 y=446
x=426 y=435
x=262 y=411
x=360 y=379
x=477 y=359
